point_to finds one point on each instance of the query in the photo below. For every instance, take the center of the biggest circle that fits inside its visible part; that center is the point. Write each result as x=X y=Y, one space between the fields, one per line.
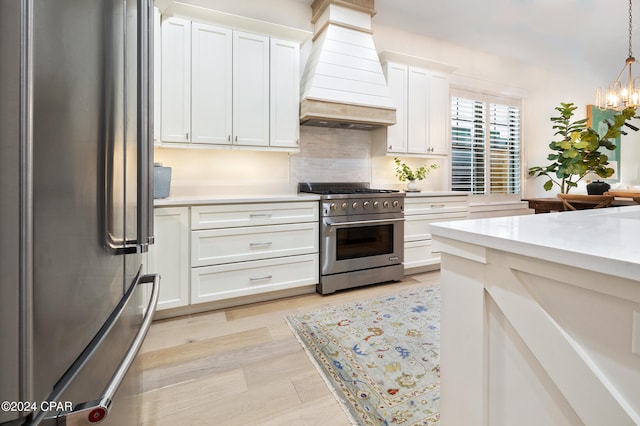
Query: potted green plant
x=577 y=152
x=406 y=174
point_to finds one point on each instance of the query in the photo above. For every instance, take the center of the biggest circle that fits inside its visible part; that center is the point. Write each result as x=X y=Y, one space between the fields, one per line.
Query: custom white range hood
x=343 y=84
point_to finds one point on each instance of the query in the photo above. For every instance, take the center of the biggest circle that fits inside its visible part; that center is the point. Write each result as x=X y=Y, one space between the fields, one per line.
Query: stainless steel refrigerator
x=75 y=209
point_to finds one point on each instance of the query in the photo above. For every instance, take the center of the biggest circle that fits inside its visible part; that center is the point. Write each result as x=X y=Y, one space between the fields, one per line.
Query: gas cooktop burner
x=338 y=188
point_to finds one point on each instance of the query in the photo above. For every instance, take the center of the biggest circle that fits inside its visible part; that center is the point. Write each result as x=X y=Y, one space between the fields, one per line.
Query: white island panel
x=538 y=319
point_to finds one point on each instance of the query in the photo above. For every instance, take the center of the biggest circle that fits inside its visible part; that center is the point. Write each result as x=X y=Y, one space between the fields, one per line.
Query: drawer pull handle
x=266 y=277
x=438 y=206
x=266 y=243
x=257 y=215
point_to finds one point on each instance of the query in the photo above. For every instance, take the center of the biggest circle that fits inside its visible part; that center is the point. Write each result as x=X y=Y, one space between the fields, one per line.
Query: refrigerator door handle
x=95 y=411
x=145 y=125
x=144 y=143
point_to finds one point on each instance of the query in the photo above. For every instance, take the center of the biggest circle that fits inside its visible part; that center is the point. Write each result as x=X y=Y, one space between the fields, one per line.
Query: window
x=485 y=145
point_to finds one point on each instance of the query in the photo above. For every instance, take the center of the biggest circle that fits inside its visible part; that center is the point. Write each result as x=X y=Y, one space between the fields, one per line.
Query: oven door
x=351 y=243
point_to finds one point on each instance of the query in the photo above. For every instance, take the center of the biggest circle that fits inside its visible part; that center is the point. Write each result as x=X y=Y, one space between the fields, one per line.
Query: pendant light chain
x=630 y=29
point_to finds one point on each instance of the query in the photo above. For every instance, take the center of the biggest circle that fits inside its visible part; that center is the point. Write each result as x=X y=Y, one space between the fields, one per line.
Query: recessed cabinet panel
x=439 y=114
x=169 y=256
x=418 y=111
x=250 y=89
x=219 y=282
x=217 y=246
x=285 y=97
x=236 y=215
x=418 y=254
x=397 y=80
x=211 y=76
x=176 y=80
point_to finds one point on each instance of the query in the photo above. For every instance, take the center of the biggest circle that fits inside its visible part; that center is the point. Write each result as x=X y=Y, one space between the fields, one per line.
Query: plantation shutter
x=504 y=154
x=468 y=130
x=485 y=145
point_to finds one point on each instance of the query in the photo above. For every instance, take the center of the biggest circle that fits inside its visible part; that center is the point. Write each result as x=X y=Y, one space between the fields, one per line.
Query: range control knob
x=385 y=204
x=396 y=204
x=375 y=204
x=333 y=207
x=344 y=206
x=365 y=204
x=355 y=206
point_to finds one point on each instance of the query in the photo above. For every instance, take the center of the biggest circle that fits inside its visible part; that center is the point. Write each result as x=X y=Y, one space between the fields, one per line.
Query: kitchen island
x=541 y=319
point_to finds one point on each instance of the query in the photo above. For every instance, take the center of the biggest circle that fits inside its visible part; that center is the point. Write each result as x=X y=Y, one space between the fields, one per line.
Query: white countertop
x=602 y=240
x=193 y=200
x=434 y=193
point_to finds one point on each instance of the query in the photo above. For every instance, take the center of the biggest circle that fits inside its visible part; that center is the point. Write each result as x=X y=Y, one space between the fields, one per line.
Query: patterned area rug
x=380 y=357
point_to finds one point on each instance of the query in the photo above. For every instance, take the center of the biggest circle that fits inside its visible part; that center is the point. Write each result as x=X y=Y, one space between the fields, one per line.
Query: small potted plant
x=406 y=174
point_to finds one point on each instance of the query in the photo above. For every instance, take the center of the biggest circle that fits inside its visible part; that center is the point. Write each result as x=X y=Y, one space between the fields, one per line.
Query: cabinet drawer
x=246 y=278
x=419 y=253
x=237 y=215
x=427 y=205
x=416 y=227
x=217 y=246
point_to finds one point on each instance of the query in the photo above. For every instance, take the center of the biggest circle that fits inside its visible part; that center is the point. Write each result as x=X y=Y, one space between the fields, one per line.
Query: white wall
x=329 y=154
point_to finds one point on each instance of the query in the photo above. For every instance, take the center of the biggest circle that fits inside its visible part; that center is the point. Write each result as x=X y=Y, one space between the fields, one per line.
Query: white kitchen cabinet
x=285 y=97
x=420 y=211
x=222 y=87
x=417 y=111
x=252 y=248
x=253 y=214
x=175 y=80
x=439 y=114
x=422 y=101
x=250 y=89
x=217 y=246
x=211 y=76
x=225 y=281
x=397 y=81
x=169 y=256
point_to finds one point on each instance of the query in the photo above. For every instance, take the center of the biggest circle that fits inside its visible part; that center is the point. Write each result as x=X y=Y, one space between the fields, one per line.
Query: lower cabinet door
x=209 y=283
x=169 y=256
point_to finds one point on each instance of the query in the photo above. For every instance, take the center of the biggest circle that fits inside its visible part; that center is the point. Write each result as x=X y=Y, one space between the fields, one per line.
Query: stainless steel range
x=361 y=234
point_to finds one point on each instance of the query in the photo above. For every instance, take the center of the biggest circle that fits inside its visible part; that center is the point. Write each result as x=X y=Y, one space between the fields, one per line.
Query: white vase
x=412 y=185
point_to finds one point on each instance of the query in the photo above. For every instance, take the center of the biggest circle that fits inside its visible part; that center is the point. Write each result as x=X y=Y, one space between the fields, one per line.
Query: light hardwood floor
x=243 y=366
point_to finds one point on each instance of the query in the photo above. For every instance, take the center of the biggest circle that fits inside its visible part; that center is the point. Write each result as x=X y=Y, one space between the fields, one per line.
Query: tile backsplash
x=332 y=155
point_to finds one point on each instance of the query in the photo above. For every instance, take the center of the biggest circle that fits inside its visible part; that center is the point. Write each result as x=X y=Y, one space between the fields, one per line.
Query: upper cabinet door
x=439 y=113
x=418 y=111
x=176 y=80
x=250 y=89
x=285 y=94
x=211 y=77
x=397 y=80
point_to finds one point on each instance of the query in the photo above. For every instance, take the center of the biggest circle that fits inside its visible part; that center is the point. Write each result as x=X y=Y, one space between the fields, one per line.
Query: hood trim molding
x=317 y=111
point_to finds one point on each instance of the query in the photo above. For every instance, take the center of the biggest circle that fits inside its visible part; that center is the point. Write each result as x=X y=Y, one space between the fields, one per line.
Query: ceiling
x=577 y=35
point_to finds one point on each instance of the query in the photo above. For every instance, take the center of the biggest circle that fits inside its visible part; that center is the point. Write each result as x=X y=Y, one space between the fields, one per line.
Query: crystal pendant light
x=620 y=94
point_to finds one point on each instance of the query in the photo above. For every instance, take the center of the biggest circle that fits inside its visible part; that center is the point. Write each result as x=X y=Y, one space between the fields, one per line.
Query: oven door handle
x=363 y=222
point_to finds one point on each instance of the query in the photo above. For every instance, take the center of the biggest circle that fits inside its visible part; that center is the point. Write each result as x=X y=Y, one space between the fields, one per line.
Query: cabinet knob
x=236 y=139
x=229 y=138
x=186 y=136
x=390 y=146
